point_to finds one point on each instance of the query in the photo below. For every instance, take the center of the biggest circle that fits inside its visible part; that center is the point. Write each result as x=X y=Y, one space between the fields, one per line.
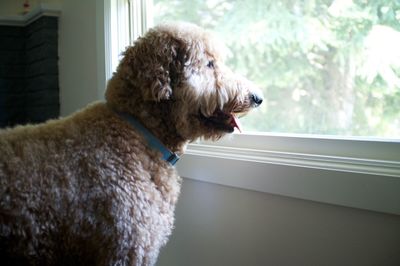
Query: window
x=326 y=67
x=291 y=49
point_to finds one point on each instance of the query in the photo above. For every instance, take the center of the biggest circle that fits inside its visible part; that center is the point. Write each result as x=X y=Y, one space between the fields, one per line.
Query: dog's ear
x=156 y=64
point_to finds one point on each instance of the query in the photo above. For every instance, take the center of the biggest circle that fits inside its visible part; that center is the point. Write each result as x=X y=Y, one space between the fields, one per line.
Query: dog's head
x=179 y=68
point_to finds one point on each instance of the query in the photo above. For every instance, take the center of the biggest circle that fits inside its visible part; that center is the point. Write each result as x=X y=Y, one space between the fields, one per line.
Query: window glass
x=326 y=67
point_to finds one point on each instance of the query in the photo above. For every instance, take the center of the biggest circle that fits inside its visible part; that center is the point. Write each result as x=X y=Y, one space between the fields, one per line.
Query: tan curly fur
x=87 y=189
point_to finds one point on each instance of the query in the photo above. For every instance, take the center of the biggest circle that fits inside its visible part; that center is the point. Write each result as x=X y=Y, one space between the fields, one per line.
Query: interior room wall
x=224 y=226
x=15 y=7
x=29 y=85
x=79 y=48
x=11 y=7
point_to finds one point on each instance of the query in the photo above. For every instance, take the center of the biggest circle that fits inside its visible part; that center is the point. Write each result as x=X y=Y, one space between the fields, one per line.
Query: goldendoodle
x=99 y=187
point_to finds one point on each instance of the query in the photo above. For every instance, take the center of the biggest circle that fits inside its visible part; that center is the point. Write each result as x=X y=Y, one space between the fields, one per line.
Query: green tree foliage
x=326 y=67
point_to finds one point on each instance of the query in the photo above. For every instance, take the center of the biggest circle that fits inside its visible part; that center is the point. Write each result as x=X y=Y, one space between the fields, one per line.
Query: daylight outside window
x=326 y=67
x=330 y=70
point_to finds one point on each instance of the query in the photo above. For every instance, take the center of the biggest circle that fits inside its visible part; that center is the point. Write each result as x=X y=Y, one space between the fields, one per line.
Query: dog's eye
x=210 y=64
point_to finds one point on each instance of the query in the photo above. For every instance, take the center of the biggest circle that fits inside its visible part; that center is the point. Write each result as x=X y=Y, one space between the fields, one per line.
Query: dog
x=99 y=187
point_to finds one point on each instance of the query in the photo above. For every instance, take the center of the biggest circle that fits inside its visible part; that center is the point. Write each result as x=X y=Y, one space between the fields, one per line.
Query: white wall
x=15 y=7
x=11 y=7
x=218 y=225
x=80 y=50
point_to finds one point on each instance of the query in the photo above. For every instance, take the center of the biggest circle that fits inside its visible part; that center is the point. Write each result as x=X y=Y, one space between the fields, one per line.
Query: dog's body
x=89 y=189
x=84 y=187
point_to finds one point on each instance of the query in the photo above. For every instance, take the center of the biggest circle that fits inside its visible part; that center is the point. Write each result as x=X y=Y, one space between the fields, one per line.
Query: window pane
x=326 y=67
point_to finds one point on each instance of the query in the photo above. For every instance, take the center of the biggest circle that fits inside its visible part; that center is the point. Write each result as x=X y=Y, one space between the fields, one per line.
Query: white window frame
x=355 y=172
x=118 y=15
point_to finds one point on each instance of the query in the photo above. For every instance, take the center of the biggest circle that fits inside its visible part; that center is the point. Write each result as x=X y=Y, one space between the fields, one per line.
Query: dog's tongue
x=235 y=123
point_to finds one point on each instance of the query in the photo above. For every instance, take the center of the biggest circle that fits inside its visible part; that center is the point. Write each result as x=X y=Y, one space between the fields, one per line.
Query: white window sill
x=358 y=173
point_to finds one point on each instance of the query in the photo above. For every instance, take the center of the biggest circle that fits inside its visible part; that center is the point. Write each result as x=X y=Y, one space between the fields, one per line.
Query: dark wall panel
x=29 y=90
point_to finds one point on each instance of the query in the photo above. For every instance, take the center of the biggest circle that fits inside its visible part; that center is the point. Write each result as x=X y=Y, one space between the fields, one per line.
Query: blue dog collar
x=152 y=141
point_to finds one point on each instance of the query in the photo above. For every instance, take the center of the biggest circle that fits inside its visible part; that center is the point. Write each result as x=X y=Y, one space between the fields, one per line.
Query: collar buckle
x=173 y=158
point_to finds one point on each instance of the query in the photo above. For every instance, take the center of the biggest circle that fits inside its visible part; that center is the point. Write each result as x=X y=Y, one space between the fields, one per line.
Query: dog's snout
x=256 y=99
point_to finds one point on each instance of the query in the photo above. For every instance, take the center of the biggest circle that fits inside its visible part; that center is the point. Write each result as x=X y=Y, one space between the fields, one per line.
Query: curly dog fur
x=87 y=189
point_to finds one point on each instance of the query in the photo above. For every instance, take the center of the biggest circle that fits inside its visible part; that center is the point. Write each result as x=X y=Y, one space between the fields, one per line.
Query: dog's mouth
x=222 y=121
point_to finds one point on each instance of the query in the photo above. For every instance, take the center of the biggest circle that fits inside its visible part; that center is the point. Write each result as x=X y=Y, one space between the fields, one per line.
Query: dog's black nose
x=257 y=100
